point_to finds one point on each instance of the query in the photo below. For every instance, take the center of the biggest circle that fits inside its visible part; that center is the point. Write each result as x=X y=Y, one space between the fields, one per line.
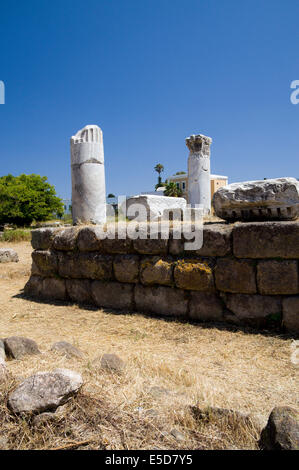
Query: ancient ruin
x=199 y=185
x=271 y=199
x=88 y=176
x=245 y=273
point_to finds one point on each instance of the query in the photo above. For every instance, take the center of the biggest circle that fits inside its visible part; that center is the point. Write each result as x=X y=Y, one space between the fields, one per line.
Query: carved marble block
x=272 y=199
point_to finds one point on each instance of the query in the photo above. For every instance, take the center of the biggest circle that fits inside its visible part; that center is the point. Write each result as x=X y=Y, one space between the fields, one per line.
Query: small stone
x=4 y=445
x=2 y=352
x=18 y=346
x=157 y=391
x=45 y=391
x=44 y=418
x=178 y=435
x=67 y=349
x=8 y=255
x=110 y=362
x=282 y=430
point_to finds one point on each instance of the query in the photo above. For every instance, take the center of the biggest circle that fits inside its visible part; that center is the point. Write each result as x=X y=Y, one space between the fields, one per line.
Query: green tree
x=159 y=168
x=26 y=198
x=172 y=190
x=110 y=195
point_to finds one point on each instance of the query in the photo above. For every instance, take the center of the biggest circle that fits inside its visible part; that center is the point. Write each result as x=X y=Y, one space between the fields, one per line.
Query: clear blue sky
x=149 y=73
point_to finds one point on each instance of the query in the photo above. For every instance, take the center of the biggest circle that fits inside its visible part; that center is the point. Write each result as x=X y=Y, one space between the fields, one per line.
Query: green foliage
x=172 y=190
x=180 y=173
x=110 y=195
x=160 y=185
x=17 y=235
x=26 y=198
x=159 y=168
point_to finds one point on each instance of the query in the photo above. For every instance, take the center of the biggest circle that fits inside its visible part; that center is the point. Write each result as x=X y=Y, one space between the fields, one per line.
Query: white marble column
x=88 y=176
x=199 y=179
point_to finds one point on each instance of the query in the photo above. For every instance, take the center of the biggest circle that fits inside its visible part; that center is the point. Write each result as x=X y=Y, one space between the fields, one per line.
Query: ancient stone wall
x=246 y=273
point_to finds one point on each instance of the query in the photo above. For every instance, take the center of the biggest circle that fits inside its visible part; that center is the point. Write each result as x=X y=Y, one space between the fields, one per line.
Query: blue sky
x=149 y=73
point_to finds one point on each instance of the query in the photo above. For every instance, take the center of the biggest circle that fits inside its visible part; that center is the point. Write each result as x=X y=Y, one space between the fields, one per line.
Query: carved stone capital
x=199 y=143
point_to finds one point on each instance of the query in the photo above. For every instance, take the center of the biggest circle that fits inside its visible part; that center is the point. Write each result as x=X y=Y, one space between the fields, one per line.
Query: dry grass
x=188 y=364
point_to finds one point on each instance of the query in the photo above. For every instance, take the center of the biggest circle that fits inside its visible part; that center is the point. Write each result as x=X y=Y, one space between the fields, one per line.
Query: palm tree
x=159 y=168
x=172 y=190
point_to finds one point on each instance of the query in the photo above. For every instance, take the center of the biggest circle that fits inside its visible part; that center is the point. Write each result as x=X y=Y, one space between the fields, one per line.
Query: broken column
x=88 y=176
x=199 y=185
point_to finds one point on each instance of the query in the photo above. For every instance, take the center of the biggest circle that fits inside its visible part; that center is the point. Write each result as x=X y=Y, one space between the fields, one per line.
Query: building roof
x=183 y=177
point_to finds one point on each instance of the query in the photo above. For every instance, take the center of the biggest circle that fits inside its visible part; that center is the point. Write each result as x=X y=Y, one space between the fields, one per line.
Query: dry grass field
x=170 y=366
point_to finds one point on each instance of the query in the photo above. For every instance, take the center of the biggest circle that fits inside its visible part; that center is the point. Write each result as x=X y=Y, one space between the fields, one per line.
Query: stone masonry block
x=236 y=276
x=150 y=246
x=253 y=309
x=193 y=275
x=161 y=300
x=126 y=268
x=205 y=307
x=42 y=238
x=54 y=289
x=79 y=290
x=277 y=277
x=66 y=239
x=34 y=286
x=156 y=270
x=112 y=294
x=266 y=240
x=45 y=263
x=291 y=313
x=85 y=266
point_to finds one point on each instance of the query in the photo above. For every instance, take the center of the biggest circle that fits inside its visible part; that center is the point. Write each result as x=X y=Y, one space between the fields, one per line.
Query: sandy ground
x=204 y=365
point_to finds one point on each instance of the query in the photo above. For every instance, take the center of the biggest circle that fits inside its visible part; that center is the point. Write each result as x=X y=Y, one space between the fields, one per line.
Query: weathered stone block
x=258 y=200
x=45 y=263
x=277 y=277
x=291 y=313
x=156 y=270
x=126 y=268
x=34 y=286
x=254 y=309
x=79 y=290
x=66 y=239
x=151 y=207
x=217 y=241
x=95 y=266
x=117 y=245
x=236 y=276
x=113 y=294
x=41 y=239
x=68 y=265
x=205 y=307
x=266 y=240
x=193 y=275
x=150 y=246
x=89 y=239
x=85 y=266
x=53 y=288
x=161 y=300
